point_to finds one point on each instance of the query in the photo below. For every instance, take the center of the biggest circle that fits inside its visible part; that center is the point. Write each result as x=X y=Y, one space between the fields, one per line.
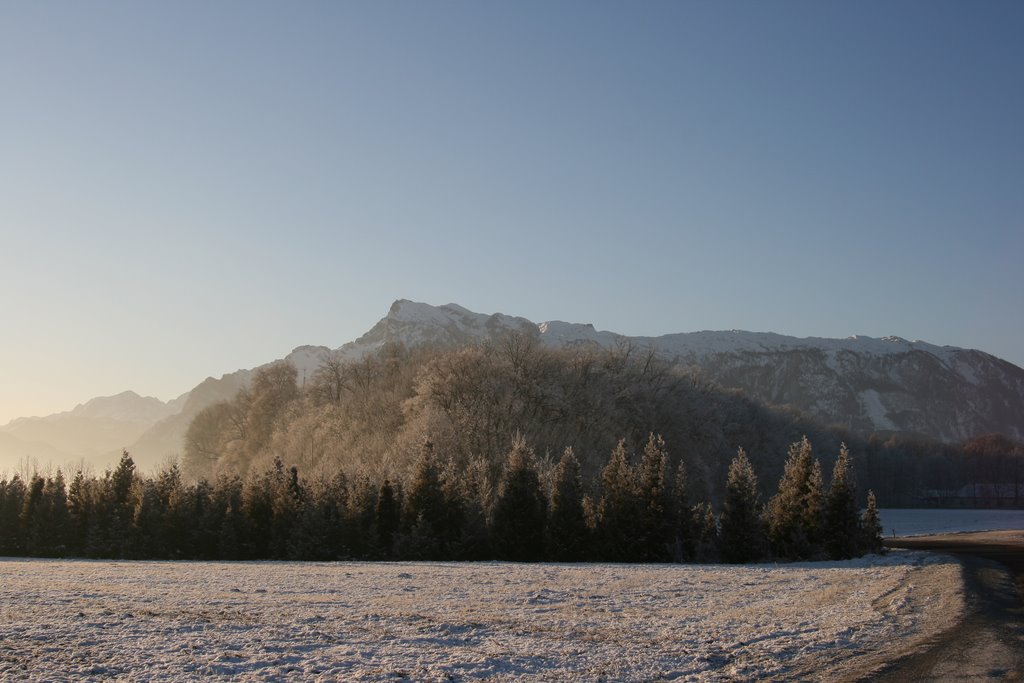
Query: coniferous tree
x=177 y=522
x=224 y=530
x=253 y=523
x=813 y=517
x=567 y=527
x=653 y=534
x=147 y=523
x=517 y=531
x=794 y=513
x=871 y=527
x=741 y=526
x=334 y=500
x=31 y=518
x=706 y=537
x=842 y=519
x=361 y=520
x=311 y=537
x=55 y=515
x=79 y=507
x=194 y=505
x=289 y=497
x=118 y=508
x=471 y=493
x=424 y=514
x=388 y=517
x=618 y=510
x=681 y=515
x=11 y=531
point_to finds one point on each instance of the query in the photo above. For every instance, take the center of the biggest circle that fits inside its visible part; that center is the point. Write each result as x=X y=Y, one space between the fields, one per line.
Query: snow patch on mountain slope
x=871 y=402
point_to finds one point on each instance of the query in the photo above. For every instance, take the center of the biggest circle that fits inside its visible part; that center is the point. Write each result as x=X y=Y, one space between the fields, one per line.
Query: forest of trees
x=638 y=511
x=506 y=450
x=369 y=417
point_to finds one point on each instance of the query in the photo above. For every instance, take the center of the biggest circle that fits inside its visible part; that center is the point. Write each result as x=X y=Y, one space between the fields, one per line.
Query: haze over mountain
x=869 y=385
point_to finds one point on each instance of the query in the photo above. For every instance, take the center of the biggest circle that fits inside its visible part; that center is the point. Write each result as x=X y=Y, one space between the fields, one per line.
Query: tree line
x=637 y=510
x=371 y=415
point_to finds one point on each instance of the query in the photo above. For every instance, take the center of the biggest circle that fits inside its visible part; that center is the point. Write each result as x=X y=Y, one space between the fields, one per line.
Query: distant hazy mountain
x=96 y=430
x=15 y=454
x=870 y=385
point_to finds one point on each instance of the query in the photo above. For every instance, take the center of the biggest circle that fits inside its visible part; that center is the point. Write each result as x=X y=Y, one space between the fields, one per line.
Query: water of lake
x=921 y=522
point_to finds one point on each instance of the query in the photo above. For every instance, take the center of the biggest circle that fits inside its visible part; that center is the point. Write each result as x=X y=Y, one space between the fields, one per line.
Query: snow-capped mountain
x=866 y=384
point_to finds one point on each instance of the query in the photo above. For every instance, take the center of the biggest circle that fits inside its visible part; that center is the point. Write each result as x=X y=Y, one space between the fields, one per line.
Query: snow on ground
x=442 y=621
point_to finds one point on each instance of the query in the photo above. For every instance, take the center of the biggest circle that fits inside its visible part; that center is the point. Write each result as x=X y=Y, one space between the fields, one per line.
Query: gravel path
x=989 y=644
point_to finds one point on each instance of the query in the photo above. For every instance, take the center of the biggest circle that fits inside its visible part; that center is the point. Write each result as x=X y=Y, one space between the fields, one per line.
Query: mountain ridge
x=868 y=384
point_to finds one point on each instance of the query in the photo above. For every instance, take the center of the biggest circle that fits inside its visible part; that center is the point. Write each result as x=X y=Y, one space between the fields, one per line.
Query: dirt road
x=989 y=644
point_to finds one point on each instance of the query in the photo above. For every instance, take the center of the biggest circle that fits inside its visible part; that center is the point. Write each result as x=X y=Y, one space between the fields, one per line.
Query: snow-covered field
x=436 y=621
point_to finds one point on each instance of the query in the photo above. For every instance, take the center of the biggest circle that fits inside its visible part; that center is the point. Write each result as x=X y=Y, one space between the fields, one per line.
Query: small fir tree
x=871 y=527
x=520 y=510
x=567 y=527
x=654 y=524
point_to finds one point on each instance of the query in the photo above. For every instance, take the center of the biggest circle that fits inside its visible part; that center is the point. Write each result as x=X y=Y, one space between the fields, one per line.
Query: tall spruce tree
x=119 y=508
x=795 y=512
x=55 y=516
x=567 y=528
x=654 y=501
x=12 y=502
x=842 y=518
x=388 y=517
x=517 y=530
x=79 y=510
x=681 y=515
x=814 y=510
x=31 y=518
x=741 y=525
x=618 y=510
x=425 y=514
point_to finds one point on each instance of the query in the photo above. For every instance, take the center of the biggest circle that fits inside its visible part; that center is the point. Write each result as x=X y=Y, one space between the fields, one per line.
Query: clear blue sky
x=187 y=188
